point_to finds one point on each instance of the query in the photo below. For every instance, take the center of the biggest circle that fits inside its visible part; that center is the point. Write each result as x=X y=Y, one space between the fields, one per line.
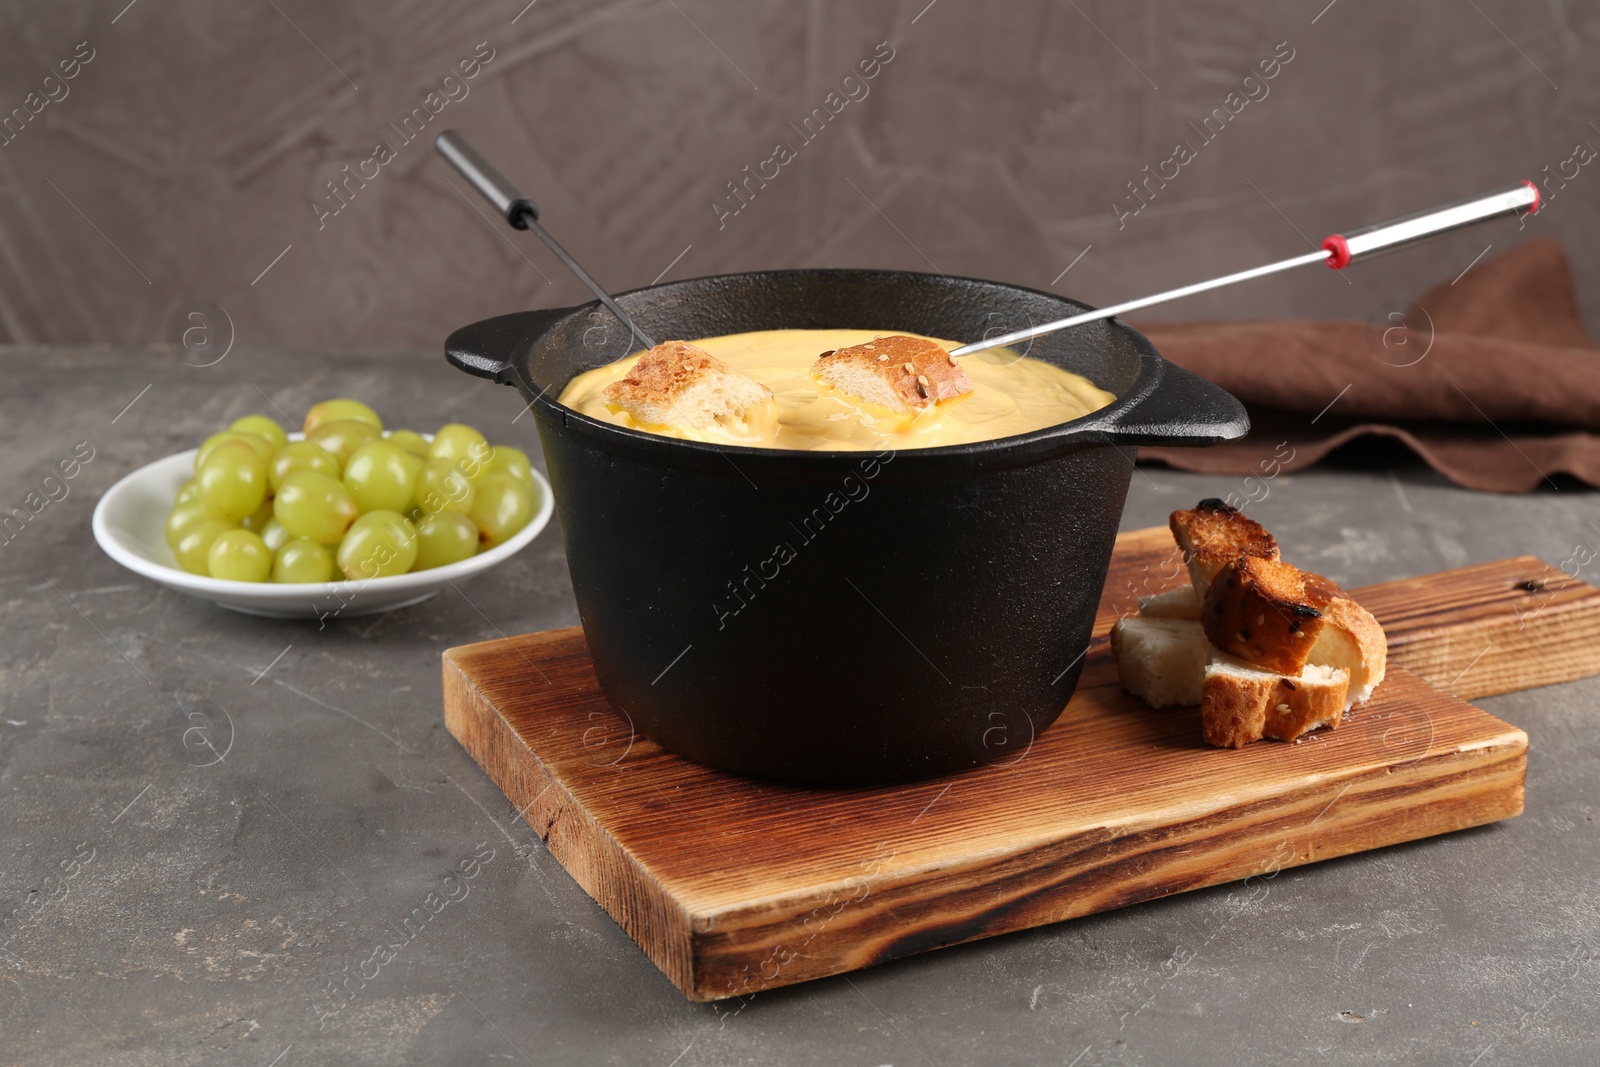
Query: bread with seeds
x=903 y=374
x=1241 y=703
x=1213 y=534
x=1279 y=617
x=1266 y=612
x=677 y=384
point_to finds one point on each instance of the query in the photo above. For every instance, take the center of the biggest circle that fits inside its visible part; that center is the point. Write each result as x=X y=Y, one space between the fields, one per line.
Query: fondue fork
x=1338 y=252
x=521 y=213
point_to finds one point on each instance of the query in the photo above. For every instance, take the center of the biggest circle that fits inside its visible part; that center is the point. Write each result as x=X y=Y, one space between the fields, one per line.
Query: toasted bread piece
x=1180 y=603
x=1214 y=534
x=1352 y=640
x=1241 y=703
x=677 y=384
x=1160 y=661
x=903 y=374
x=1267 y=612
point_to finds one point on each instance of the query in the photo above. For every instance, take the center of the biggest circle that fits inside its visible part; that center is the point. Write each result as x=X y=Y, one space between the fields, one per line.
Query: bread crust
x=1267 y=612
x=1352 y=639
x=1286 y=651
x=903 y=374
x=677 y=383
x=1213 y=534
x=1240 y=703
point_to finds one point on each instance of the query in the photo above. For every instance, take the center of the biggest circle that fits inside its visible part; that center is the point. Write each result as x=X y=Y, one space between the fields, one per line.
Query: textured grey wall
x=185 y=156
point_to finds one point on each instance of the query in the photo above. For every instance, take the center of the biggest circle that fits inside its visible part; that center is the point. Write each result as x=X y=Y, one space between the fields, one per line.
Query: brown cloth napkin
x=1492 y=380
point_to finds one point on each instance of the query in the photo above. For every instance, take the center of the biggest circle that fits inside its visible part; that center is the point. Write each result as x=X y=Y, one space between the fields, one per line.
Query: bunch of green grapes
x=350 y=501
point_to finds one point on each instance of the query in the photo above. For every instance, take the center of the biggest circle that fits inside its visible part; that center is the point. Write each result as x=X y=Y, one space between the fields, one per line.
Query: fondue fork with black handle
x=522 y=214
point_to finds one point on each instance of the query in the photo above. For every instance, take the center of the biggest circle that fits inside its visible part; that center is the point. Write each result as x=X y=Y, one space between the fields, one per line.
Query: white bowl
x=130 y=524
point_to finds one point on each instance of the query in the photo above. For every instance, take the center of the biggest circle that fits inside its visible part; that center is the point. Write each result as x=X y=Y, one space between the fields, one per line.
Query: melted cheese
x=1011 y=394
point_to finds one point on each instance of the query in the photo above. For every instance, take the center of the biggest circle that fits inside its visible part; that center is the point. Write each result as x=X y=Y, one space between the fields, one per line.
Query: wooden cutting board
x=733 y=886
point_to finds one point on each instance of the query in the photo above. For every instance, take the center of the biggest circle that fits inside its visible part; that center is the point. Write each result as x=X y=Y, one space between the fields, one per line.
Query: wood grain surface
x=732 y=885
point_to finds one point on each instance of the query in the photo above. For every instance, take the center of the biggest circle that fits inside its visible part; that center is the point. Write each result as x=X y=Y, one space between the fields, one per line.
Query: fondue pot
x=841 y=617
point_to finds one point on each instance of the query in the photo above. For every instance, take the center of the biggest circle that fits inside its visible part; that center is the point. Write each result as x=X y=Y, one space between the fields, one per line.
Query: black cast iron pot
x=842 y=617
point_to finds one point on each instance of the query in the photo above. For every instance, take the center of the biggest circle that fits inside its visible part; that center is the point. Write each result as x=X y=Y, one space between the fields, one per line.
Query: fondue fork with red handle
x=1338 y=251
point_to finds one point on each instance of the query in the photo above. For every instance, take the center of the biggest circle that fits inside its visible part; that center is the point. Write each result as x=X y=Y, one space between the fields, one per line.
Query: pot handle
x=1181 y=409
x=485 y=348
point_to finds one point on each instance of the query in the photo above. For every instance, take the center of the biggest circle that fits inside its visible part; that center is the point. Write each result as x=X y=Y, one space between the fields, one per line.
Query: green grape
x=341 y=437
x=273 y=534
x=478 y=461
x=257 y=519
x=194 y=546
x=410 y=440
x=181 y=518
x=332 y=410
x=380 y=544
x=448 y=537
x=263 y=426
x=233 y=481
x=380 y=476
x=301 y=456
x=300 y=561
x=441 y=486
x=500 y=509
x=457 y=442
x=514 y=463
x=239 y=556
x=311 y=504
x=190 y=490
x=262 y=446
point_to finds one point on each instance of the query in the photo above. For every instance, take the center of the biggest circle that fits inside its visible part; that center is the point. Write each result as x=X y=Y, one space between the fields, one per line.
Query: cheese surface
x=1011 y=394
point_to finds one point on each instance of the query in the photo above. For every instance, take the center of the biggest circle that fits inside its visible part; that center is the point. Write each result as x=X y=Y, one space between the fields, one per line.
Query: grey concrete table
x=197 y=908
